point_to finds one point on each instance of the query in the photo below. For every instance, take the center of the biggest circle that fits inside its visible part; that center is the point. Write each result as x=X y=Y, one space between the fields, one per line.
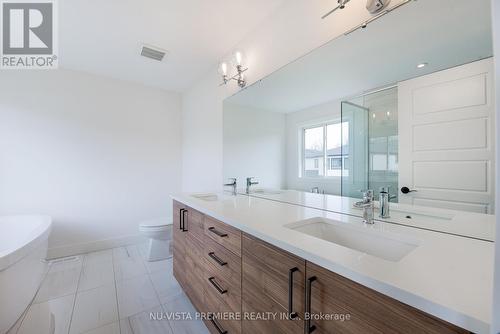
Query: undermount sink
x=385 y=245
x=266 y=192
x=206 y=197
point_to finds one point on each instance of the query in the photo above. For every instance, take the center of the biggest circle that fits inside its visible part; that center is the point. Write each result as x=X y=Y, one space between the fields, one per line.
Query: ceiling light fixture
x=422 y=65
x=237 y=62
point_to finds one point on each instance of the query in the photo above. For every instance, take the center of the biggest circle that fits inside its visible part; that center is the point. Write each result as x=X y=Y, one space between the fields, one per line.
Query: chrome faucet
x=368 y=207
x=233 y=184
x=384 y=198
x=250 y=183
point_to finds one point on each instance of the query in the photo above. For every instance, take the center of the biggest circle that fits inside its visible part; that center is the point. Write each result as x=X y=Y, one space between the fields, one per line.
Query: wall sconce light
x=237 y=62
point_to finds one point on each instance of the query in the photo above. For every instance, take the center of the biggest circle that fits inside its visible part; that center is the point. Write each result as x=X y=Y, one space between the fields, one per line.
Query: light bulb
x=237 y=58
x=223 y=68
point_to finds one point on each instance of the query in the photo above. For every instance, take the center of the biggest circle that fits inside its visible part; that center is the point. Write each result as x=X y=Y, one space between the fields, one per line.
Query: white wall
x=496 y=40
x=330 y=111
x=98 y=155
x=290 y=32
x=254 y=145
x=202 y=136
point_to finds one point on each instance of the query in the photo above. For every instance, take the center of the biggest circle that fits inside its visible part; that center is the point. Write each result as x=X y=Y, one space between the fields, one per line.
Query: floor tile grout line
x=116 y=298
x=116 y=293
x=156 y=292
x=76 y=293
x=159 y=300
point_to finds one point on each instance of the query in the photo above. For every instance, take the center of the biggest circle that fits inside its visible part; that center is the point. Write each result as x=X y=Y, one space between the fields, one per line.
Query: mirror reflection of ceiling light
x=377 y=8
x=341 y=5
x=422 y=65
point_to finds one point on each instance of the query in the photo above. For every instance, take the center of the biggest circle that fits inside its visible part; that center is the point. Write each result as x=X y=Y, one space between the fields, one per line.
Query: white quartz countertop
x=474 y=225
x=448 y=276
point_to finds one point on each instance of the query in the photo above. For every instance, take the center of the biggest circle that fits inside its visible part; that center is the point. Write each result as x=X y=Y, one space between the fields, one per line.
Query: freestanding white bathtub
x=23 y=249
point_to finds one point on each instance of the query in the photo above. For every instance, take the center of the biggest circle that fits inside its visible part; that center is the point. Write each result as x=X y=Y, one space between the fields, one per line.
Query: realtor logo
x=28 y=34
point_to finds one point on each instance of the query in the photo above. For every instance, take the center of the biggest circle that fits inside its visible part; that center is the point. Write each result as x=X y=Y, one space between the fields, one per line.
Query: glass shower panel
x=354 y=149
x=383 y=139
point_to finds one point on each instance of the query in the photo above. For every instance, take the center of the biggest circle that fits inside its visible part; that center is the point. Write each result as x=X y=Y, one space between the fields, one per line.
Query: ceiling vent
x=152 y=52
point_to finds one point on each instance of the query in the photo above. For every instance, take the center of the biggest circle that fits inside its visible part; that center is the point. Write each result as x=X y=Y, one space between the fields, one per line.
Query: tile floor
x=108 y=292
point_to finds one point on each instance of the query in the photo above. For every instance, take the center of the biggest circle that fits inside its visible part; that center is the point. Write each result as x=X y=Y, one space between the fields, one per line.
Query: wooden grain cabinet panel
x=265 y=287
x=223 y=313
x=369 y=311
x=194 y=223
x=195 y=271
x=223 y=234
x=179 y=247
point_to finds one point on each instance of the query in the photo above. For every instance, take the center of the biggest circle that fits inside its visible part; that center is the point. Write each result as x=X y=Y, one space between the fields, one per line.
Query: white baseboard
x=81 y=248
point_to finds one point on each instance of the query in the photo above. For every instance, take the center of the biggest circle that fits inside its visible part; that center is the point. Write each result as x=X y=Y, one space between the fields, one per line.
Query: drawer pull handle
x=181 y=218
x=217 y=259
x=217 y=326
x=291 y=314
x=217 y=286
x=218 y=233
x=309 y=328
x=184 y=229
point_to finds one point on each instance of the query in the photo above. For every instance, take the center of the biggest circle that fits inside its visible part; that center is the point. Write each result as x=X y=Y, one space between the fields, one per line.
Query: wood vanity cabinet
x=225 y=271
x=179 y=240
x=188 y=249
x=207 y=264
x=272 y=281
x=222 y=259
x=369 y=310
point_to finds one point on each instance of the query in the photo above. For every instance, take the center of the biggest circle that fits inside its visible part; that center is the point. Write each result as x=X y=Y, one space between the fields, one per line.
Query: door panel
x=447 y=138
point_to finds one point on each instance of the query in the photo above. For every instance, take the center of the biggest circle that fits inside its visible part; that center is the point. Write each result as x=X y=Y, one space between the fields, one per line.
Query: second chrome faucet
x=250 y=183
x=368 y=207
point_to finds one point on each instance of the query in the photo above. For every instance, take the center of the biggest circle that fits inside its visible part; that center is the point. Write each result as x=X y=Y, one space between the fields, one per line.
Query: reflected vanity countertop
x=470 y=224
x=448 y=276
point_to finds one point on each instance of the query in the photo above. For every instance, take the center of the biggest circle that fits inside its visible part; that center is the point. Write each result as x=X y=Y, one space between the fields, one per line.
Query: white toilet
x=159 y=233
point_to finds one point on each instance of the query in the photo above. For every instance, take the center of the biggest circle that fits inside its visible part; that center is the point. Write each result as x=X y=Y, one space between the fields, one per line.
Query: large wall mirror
x=405 y=104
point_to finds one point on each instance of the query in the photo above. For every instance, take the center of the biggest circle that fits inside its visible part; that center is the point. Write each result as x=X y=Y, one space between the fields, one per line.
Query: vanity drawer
x=223 y=234
x=223 y=261
x=218 y=286
x=226 y=318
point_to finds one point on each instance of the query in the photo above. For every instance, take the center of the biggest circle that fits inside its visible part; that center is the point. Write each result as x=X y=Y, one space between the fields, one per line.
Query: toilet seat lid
x=158 y=222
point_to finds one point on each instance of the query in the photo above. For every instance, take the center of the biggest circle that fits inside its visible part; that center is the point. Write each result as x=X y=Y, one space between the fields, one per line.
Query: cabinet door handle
x=217 y=286
x=184 y=229
x=292 y=314
x=218 y=233
x=181 y=218
x=309 y=328
x=217 y=326
x=217 y=259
